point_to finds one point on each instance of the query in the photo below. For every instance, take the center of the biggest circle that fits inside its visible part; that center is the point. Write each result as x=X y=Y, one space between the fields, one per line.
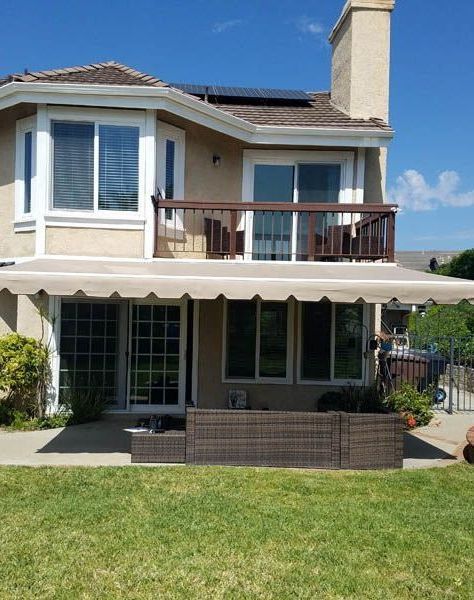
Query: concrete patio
x=106 y=443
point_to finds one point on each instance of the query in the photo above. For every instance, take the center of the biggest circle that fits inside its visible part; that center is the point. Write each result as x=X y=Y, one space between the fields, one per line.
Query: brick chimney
x=361 y=58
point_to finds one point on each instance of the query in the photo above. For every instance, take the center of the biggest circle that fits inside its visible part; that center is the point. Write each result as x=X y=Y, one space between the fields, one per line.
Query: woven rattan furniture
x=469 y=448
x=294 y=439
x=166 y=447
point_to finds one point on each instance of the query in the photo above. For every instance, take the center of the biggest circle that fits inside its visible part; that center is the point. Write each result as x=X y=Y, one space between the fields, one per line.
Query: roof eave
x=186 y=106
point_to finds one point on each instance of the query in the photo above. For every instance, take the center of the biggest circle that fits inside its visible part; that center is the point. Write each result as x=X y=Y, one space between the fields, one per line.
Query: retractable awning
x=207 y=279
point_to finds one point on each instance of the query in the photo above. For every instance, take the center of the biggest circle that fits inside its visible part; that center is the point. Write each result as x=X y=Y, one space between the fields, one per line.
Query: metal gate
x=443 y=365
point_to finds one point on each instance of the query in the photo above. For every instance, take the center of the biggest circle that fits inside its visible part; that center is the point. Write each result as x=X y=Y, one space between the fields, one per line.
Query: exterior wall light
x=216 y=160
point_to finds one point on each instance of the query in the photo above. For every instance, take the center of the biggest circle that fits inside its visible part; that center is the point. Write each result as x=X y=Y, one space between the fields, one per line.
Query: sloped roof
x=319 y=112
x=105 y=73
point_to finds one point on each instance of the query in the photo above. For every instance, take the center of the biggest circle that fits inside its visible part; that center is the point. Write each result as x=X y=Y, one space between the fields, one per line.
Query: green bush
x=354 y=399
x=20 y=421
x=24 y=375
x=412 y=405
x=84 y=405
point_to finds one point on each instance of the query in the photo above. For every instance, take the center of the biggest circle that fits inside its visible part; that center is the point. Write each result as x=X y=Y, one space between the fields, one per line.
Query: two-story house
x=173 y=242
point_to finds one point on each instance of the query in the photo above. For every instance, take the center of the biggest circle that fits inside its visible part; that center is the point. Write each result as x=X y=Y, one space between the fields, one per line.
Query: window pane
x=318 y=183
x=169 y=176
x=273 y=339
x=84 y=337
x=73 y=168
x=155 y=361
x=316 y=340
x=272 y=231
x=28 y=171
x=170 y=156
x=348 y=341
x=241 y=338
x=118 y=167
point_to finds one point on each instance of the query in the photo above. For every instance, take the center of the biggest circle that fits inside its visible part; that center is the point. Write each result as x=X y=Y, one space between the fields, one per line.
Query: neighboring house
x=420 y=259
x=263 y=258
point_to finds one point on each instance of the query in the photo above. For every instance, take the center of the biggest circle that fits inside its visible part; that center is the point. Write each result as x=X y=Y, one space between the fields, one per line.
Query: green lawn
x=183 y=532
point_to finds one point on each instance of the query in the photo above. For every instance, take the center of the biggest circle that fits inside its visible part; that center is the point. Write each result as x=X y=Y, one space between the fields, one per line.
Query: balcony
x=274 y=231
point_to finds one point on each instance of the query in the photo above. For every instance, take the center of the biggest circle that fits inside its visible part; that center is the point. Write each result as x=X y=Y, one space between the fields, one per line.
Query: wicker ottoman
x=166 y=447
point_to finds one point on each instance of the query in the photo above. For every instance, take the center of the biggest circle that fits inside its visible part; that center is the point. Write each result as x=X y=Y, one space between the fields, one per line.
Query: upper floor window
x=95 y=166
x=25 y=166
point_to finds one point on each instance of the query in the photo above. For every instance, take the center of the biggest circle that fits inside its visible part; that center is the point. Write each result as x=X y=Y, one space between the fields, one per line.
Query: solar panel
x=241 y=92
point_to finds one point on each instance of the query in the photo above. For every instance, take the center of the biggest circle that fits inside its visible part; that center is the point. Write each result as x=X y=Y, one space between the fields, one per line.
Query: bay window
x=95 y=166
x=25 y=167
x=257 y=341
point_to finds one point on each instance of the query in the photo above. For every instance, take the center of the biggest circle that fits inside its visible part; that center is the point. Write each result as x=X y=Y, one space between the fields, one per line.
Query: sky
x=283 y=43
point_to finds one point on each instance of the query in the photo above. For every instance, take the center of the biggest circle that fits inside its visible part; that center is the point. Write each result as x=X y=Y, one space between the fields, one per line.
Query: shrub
x=413 y=406
x=85 y=405
x=353 y=399
x=24 y=374
x=20 y=421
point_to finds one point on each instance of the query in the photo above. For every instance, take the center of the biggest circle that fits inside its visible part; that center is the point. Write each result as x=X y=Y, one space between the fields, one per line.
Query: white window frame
x=299 y=351
x=96 y=217
x=179 y=408
x=294 y=158
x=24 y=221
x=165 y=132
x=288 y=380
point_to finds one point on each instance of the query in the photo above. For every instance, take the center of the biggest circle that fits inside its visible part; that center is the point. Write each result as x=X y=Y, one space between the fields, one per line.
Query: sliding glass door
x=284 y=236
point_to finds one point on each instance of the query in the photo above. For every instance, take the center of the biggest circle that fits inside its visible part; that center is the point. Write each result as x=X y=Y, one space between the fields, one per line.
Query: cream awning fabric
x=169 y=278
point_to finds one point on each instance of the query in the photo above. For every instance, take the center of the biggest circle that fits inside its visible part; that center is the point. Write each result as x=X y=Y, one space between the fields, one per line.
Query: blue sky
x=282 y=43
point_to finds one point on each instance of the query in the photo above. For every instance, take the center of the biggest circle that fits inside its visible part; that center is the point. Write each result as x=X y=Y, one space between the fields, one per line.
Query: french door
x=132 y=352
x=284 y=235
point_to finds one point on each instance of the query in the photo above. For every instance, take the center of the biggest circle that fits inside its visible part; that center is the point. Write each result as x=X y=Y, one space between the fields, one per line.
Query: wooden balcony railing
x=274 y=231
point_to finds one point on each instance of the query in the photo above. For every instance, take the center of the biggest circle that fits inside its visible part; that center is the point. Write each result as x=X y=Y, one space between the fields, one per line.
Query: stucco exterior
x=84 y=241
x=33 y=316
x=8 y=312
x=213 y=393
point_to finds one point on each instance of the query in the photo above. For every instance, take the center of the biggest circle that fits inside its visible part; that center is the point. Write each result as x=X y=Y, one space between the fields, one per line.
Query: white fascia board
x=183 y=105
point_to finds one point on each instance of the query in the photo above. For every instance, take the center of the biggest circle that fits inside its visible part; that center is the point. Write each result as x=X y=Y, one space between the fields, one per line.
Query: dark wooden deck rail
x=323 y=231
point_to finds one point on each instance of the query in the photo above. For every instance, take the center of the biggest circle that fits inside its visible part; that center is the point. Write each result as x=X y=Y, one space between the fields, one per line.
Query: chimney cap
x=388 y=5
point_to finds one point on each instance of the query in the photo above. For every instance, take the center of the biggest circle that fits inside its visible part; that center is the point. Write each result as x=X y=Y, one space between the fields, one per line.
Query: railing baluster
x=311 y=235
x=279 y=228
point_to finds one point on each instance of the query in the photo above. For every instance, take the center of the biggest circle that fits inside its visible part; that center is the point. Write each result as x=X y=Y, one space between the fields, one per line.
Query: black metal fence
x=443 y=365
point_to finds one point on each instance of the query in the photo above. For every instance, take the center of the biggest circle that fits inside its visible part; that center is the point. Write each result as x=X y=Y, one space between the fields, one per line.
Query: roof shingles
x=318 y=113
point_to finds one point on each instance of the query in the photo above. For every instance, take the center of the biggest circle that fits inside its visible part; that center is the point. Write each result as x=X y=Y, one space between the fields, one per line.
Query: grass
x=185 y=532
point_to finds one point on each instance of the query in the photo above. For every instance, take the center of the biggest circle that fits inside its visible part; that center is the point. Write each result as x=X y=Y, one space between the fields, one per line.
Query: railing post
x=311 y=235
x=154 y=200
x=233 y=234
x=451 y=375
x=391 y=237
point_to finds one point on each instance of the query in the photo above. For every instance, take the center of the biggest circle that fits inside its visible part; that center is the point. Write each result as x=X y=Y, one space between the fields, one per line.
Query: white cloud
x=222 y=26
x=412 y=192
x=310 y=26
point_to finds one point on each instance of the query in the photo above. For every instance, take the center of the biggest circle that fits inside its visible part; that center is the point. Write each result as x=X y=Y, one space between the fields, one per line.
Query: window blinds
x=118 y=168
x=73 y=168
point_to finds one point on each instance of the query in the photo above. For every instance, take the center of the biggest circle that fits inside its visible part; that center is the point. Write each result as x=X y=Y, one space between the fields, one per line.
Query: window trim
x=66 y=217
x=345 y=159
x=288 y=380
x=164 y=132
x=299 y=354
x=24 y=220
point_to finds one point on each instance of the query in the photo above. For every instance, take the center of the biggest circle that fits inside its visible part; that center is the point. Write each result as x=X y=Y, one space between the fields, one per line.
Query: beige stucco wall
x=83 y=241
x=361 y=59
x=33 y=315
x=11 y=244
x=8 y=312
x=212 y=393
